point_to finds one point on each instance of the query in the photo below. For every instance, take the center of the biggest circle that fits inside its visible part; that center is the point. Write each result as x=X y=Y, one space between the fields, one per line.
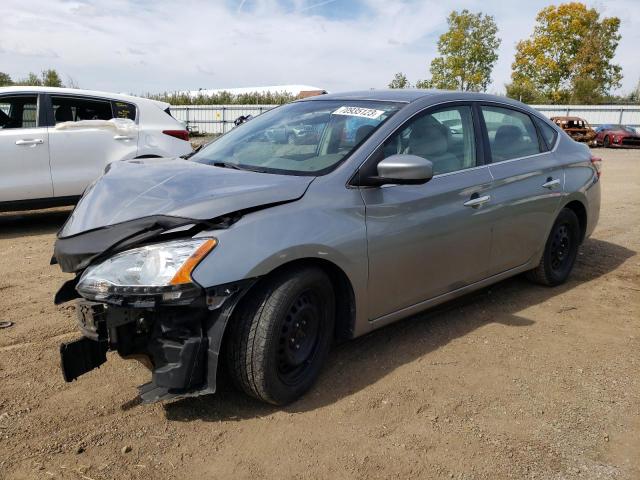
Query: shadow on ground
x=355 y=365
x=36 y=222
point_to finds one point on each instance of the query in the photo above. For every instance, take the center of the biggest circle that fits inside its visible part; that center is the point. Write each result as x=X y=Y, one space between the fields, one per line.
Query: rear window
x=511 y=133
x=74 y=109
x=124 y=110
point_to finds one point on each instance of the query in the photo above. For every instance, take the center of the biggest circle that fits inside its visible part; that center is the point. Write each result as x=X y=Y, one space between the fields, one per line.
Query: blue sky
x=152 y=46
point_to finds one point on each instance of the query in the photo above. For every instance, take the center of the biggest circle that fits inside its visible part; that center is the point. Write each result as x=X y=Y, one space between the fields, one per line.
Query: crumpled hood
x=136 y=201
x=176 y=188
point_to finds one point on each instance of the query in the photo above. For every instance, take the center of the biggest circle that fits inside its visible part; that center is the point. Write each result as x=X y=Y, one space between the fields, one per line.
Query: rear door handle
x=122 y=137
x=478 y=201
x=551 y=183
x=30 y=141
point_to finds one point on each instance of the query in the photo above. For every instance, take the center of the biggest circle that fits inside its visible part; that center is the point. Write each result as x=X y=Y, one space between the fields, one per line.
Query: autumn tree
x=399 y=81
x=468 y=52
x=568 y=58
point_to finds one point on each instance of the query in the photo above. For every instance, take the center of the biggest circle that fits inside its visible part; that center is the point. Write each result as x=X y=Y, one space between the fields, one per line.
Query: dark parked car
x=257 y=255
x=618 y=136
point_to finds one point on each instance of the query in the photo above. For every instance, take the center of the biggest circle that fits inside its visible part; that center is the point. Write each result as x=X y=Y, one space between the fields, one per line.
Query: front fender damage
x=180 y=345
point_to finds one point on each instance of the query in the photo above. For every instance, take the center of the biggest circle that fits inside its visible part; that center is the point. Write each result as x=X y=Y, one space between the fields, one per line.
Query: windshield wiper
x=235 y=166
x=226 y=165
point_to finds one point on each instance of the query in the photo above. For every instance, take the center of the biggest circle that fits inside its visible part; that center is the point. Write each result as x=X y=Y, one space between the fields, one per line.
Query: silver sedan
x=256 y=254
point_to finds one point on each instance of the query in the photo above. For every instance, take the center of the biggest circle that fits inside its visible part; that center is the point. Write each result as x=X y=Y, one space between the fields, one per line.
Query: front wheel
x=280 y=336
x=560 y=251
x=606 y=143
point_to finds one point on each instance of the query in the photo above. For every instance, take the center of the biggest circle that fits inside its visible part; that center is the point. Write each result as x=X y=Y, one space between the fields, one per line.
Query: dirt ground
x=517 y=381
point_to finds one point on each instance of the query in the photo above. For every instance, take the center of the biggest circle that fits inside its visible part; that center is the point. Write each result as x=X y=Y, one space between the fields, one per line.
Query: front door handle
x=551 y=183
x=122 y=137
x=30 y=141
x=477 y=201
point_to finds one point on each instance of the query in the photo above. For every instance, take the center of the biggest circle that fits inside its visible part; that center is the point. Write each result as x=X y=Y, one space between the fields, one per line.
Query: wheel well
x=149 y=156
x=345 y=297
x=578 y=208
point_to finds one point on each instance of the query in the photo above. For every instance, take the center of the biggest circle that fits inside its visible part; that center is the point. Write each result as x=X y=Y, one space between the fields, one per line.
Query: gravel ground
x=517 y=381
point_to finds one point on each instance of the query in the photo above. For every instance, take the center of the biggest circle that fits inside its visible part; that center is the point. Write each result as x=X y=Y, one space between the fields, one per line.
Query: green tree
x=32 y=80
x=468 y=52
x=569 y=56
x=399 y=81
x=50 y=78
x=5 y=80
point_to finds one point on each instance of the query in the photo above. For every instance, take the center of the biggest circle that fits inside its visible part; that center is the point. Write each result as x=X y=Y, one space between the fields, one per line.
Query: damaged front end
x=133 y=241
x=142 y=302
x=179 y=344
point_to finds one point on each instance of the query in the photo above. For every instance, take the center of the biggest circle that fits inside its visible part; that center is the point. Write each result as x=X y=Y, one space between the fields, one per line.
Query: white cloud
x=151 y=46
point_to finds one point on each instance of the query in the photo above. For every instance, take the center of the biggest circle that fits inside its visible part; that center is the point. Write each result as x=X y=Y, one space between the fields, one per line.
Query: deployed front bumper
x=180 y=345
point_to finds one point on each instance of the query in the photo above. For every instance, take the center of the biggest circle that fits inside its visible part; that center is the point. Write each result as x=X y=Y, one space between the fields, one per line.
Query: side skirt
x=419 y=307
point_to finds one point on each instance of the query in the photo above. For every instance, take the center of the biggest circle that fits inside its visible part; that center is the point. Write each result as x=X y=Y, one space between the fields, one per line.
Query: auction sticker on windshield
x=359 y=112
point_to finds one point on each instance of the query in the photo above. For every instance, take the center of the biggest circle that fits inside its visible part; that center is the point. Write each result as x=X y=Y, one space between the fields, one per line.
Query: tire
x=560 y=251
x=280 y=335
x=606 y=142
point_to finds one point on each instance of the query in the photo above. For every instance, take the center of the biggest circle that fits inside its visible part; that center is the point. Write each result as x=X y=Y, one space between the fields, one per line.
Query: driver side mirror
x=402 y=169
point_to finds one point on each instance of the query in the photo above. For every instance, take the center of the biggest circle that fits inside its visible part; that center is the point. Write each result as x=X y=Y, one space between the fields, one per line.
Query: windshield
x=621 y=127
x=302 y=138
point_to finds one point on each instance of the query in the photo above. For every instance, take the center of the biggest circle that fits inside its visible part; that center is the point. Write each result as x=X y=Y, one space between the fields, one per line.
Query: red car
x=617 y=136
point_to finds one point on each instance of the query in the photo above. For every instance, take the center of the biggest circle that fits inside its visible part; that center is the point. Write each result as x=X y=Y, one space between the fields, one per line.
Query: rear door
x=24 y=150
x=527 y=187
x=427 y=240
x=79 y=154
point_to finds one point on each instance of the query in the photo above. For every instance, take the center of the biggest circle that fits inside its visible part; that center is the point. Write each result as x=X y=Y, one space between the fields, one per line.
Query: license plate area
x=91 y=319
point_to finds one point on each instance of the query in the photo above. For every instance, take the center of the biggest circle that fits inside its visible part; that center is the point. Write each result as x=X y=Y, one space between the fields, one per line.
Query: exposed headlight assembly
x=144 y=276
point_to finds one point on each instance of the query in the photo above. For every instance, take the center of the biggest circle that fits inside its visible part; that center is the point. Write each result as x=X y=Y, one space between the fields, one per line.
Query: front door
x=427 y=240
x=24 y=150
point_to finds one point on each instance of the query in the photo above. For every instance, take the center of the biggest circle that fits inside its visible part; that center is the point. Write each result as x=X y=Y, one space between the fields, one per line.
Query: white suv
x=41 y=165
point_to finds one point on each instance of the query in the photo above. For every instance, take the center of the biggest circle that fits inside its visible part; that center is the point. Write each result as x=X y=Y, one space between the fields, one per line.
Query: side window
x=124 y=110
x=19 y=112
x=444 y=136
x=548 y=134
x=74 y=109
x=511 y=133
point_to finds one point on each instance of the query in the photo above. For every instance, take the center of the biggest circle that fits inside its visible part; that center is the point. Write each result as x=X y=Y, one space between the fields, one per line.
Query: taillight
x=181 y=134
x=597 y=164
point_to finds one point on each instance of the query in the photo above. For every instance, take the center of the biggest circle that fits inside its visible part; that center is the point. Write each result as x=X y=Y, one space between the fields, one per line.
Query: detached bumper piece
x=81 y=356
x=180 y=345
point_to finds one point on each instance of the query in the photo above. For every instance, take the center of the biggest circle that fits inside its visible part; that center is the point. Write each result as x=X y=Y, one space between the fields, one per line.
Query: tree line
x=567 y=59
x=47 y=78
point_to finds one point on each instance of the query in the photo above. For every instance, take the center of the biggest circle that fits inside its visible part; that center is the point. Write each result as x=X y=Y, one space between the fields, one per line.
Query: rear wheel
x=280 y=337
x=560 y=251
x=606 y=143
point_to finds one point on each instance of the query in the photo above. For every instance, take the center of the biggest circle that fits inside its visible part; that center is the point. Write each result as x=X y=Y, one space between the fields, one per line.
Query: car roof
x=77 y=91
x=408 y=95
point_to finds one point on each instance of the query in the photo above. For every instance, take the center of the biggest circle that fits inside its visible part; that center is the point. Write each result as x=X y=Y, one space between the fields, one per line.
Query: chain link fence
x=214 y=119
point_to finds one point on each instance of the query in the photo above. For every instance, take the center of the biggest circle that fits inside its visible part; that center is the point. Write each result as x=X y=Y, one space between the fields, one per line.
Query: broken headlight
x=147 y=275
